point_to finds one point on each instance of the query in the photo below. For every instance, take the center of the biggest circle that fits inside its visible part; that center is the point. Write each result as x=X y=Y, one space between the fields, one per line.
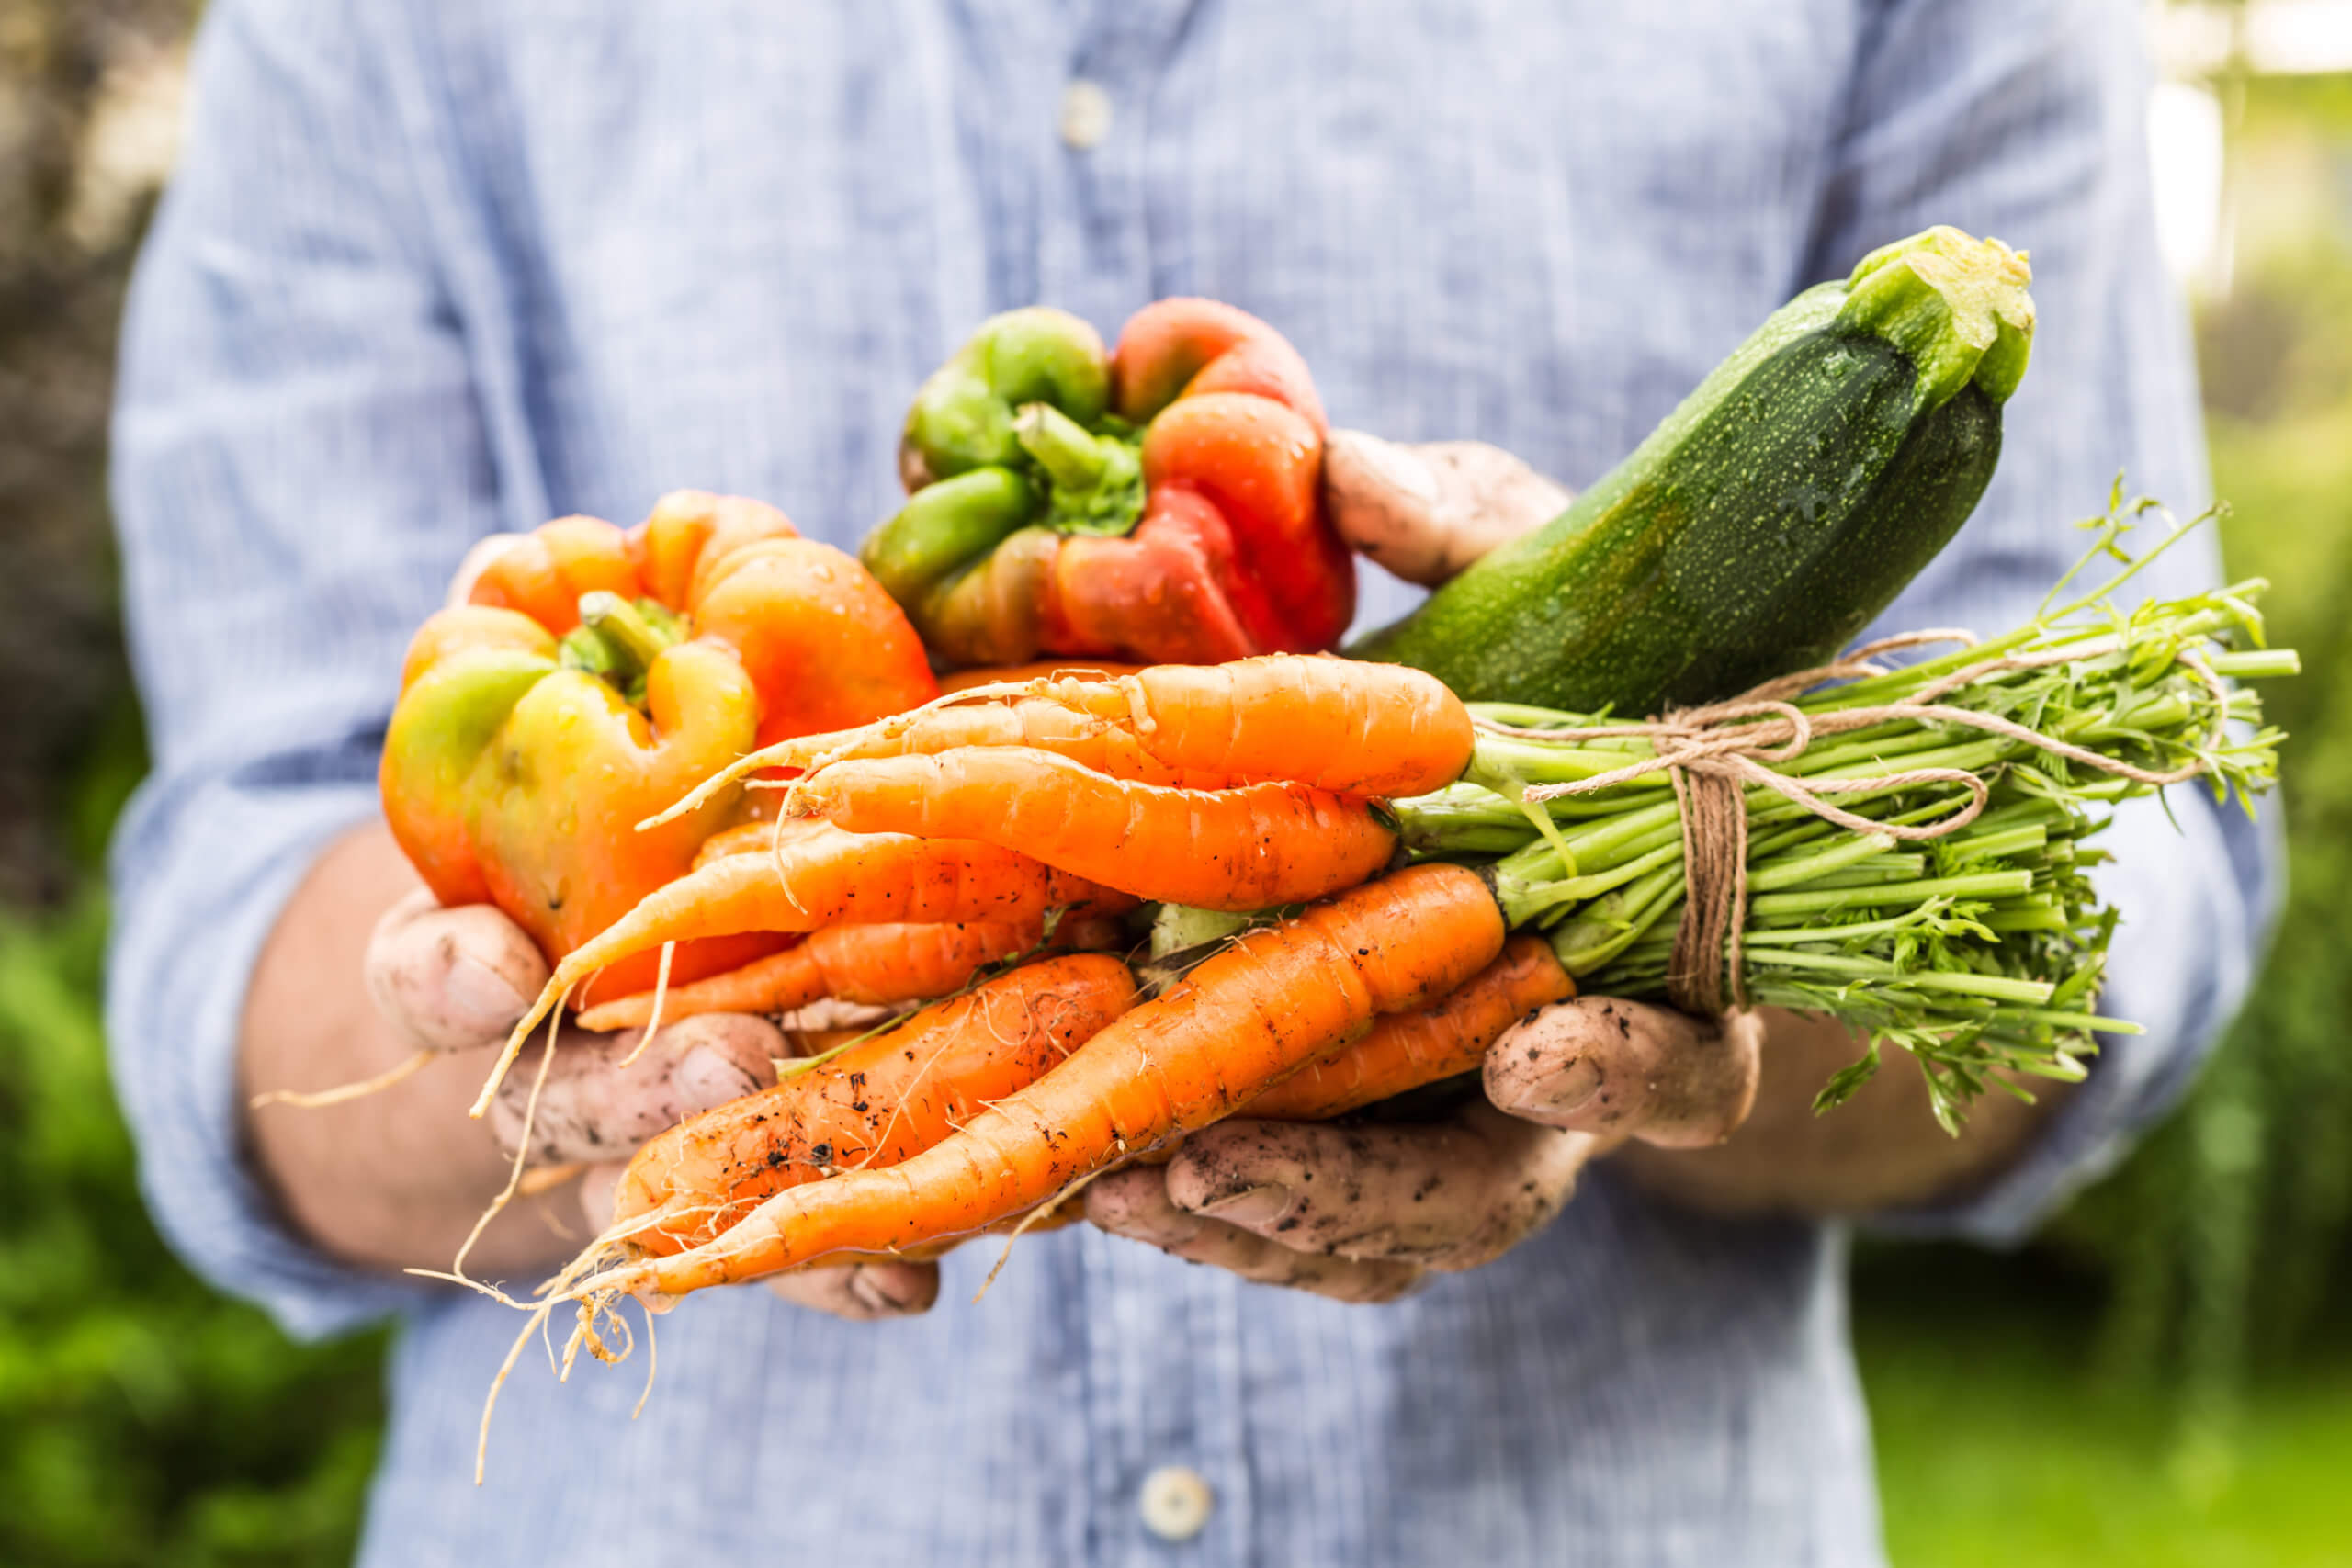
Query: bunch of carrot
x=1239 y=787
x=999 y=1102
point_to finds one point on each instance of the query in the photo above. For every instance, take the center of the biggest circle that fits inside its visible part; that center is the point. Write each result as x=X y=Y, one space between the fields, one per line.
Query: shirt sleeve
x=2027 y=120
x=298 y=463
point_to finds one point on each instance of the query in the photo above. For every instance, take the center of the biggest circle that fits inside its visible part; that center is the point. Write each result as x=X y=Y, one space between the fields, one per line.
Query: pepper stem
x=1070 y=456
x=629 y=639
x=1094 y=484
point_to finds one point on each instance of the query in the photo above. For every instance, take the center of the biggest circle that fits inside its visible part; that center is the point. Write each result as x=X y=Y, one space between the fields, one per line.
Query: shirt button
x=1175 y=1502
x=1086 y=114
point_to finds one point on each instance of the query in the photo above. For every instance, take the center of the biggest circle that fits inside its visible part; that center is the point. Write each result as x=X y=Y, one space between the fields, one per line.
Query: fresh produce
x=596 y=674
x=1108 y=749
x=872 y=1105
x=1350 y=728
x=1913 y=845
x=817 y=879
x=1366 y=880
x=1328 y=723
x=1275 y=1000
x=1905 y=849
x=1160 y=502
x=1914 y=839
x=1771 y=516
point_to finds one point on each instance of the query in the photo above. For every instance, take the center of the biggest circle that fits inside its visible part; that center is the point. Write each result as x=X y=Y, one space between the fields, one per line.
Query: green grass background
x=1999 y=1443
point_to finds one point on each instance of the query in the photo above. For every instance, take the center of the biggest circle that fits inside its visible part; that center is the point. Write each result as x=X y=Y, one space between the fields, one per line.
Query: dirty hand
x=1425 y=510
x=1362 y=1212
x=460 y=979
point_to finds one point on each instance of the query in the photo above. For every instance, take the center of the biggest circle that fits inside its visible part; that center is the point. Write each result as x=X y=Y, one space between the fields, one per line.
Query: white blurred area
x=2184 y=144
x=2198 y=47
x=2280 y=38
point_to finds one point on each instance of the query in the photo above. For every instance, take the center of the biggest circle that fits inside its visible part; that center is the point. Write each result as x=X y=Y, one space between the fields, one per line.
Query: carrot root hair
x=660 y=994
x=344 y=1094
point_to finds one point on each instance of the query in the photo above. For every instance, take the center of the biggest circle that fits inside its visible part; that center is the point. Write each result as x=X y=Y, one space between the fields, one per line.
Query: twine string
x=1711 y=752
x=1714 y=858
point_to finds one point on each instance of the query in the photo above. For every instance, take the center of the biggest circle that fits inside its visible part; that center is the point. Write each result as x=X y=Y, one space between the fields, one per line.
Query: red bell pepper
x=1161 y=502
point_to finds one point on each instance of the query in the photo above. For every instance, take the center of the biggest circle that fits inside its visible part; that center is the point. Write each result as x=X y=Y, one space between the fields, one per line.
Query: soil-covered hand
x=459 y=979
x=1364 y=1212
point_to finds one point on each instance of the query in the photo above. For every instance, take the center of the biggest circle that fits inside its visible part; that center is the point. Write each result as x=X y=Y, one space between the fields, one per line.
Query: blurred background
x=2164 y=1377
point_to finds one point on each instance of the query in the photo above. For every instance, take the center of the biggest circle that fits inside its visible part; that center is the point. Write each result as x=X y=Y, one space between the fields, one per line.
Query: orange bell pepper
x=596 y=675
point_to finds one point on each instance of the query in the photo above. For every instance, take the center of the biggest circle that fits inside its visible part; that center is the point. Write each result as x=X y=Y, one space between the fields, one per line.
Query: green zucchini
x=1771 y=516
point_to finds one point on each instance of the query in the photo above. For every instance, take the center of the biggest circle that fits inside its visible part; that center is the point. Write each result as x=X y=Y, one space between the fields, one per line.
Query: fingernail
x=485 y=997
x=1256 y=1206
x=868 y=1292
x=704 y=1078
x=1570 y=1088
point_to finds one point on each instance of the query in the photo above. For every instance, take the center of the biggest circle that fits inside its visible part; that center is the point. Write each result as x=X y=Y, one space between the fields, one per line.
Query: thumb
x=451 y=979
x=1426 y=512
x=1599 y=1064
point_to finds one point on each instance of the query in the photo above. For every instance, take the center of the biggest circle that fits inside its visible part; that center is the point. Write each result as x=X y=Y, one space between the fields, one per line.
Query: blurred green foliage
x=2227 y=1232
x=2211 y=1425
x=88 y=91
x=1992 y=1450
x=143 y=1419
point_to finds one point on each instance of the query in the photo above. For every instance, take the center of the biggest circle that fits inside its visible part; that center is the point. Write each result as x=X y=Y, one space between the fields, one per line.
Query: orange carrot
x=878 y=1102
x=744 y=839
x=1334 y=724
x=1275 y=1000
x=876 y=964
x=1405 y=1050
x=1244 y=848
x=823 y=878
x=1046 y=669
x=1037 y=722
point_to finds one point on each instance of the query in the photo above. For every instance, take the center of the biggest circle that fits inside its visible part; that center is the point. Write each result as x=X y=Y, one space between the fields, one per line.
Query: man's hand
x=460 y=979
x=1362 y=1214
x=1717 y=1116
x=1425 y=511
x=399 y=1178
